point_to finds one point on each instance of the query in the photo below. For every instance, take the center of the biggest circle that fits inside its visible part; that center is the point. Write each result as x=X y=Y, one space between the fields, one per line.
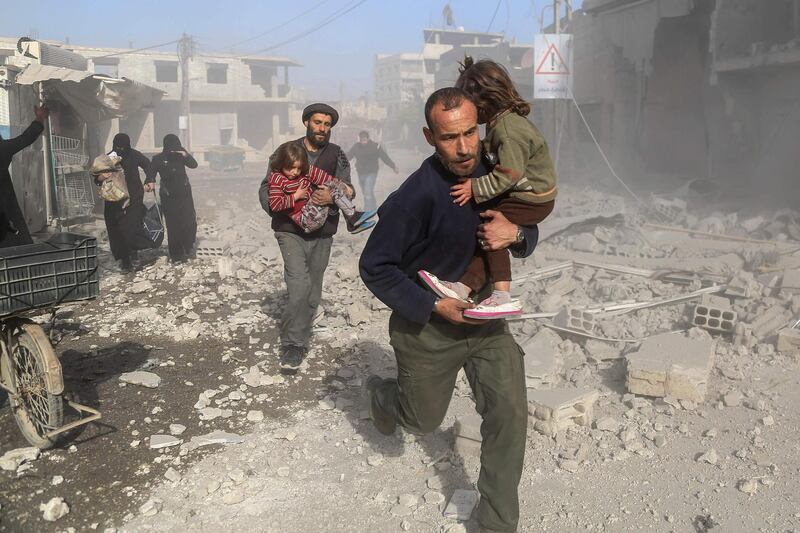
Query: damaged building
x=403 y=81
x=683 y=90
x=243 y=101
x=51 y=179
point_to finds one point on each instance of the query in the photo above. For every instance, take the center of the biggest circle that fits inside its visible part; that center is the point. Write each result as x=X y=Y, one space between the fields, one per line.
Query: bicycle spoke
x=32 y=389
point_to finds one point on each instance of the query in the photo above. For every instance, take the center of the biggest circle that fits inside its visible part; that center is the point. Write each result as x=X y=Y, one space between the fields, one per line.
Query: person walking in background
x=13 y=229
x=367 y=153
x=177 y=202
x=126 y=233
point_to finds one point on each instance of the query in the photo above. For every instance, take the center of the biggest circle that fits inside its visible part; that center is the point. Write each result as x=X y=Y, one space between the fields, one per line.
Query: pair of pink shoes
x=489 y=309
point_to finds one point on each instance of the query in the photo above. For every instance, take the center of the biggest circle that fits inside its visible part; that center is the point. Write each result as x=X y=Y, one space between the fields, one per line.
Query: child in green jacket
x=522 y=185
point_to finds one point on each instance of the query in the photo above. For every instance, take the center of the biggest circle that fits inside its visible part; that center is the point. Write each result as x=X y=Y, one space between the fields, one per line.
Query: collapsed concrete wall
x=680 y=90
x=755 y=48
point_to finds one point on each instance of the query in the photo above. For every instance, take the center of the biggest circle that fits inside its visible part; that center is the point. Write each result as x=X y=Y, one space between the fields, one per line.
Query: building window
x=167 y=71
x=107 y=66
x=217 y=73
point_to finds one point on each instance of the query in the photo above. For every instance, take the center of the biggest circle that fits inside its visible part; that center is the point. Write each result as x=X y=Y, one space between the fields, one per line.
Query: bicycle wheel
x=36 y=410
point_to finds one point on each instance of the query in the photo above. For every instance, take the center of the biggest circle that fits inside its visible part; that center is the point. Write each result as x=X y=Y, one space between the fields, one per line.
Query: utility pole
x=557 y=27
x=185 y=53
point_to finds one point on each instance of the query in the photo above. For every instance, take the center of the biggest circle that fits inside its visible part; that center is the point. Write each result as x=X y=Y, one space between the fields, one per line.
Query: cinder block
x=556 y=410
x=210 y=249
x=673 y=210
x=714 y=314
x=671 y=365
x=575 y=319
x=789 y=341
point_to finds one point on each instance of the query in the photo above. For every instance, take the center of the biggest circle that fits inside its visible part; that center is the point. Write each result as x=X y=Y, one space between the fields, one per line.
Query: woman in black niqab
x=126 y=233
x=177 y=203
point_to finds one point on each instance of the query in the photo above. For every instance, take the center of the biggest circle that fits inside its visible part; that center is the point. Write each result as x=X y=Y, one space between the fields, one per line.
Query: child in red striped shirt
x=291 y=183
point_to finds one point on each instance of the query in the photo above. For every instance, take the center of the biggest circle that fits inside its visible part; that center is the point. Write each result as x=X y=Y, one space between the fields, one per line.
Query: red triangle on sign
x=552 y=62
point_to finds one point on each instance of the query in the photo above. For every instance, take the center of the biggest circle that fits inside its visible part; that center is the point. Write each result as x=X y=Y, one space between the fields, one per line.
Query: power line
x=496 y=9
x=137 y=50
x=279 y=26
x=336 y=15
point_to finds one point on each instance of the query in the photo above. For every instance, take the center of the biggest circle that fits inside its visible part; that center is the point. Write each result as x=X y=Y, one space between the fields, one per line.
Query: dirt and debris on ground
x=661 y=360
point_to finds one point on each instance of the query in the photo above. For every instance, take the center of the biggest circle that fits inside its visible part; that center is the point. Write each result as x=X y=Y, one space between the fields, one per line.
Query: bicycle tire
x=35 y=409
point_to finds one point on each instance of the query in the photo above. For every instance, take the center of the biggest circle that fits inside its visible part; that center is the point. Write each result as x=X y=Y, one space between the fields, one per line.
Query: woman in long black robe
x=124 y=219
x=177 y=203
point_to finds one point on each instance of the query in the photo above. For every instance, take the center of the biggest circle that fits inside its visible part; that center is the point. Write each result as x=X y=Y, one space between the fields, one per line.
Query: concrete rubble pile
x=632 y=330
x=637 y=338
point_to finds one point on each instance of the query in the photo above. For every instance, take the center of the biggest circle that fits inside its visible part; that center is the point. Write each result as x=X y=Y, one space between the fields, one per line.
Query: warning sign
x=552 y=77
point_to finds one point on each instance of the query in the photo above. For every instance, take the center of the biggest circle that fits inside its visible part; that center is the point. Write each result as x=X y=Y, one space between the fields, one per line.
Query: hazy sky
x=340 y=51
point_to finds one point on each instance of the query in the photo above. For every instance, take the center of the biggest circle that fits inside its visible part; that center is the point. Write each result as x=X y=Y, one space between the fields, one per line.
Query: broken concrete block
x=54 y=509
x=225 y=267
x=172 y=475
x=670 y=364
x=461 y=504
x=791 y=281
x=752 y=224
x=253 y=377
x=742 y=285
x=163 y=441
x=607 y=423
x=714 y=313
x=142 y=378
x=602 y=351
x=558 y=409
x=255 y=416
x=468 y=436
x=543 y=361
x=789 y=341
x=768 y=322
x=358 y=313
x=563 y=286
x=575 y=319
x=140 y=287
x=586 y=242
x=12 y=459
x=215 y=437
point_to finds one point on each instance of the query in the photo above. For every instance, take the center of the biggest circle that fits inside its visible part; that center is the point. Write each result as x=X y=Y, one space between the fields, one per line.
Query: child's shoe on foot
x=445 y=289
x=495 y=306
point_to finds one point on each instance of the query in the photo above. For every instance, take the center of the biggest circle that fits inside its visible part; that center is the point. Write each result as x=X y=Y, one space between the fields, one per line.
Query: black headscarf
x=172 y=143
x=122 y=144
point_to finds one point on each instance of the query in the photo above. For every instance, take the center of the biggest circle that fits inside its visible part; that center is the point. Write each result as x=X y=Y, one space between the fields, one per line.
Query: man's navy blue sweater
x=420 y=228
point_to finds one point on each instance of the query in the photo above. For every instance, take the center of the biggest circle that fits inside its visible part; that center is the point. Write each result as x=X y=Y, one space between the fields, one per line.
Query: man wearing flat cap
x=305 y=255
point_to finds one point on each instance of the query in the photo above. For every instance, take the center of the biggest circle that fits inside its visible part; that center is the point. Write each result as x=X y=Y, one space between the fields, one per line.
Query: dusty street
x=298 y=452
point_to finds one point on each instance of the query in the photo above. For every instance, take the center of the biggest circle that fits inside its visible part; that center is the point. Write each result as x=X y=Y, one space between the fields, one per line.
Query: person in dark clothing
x=13 y=228
x=126 y=233
x=306 y=255
x=367 y=153
x=421 y=228
x=176 y=196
